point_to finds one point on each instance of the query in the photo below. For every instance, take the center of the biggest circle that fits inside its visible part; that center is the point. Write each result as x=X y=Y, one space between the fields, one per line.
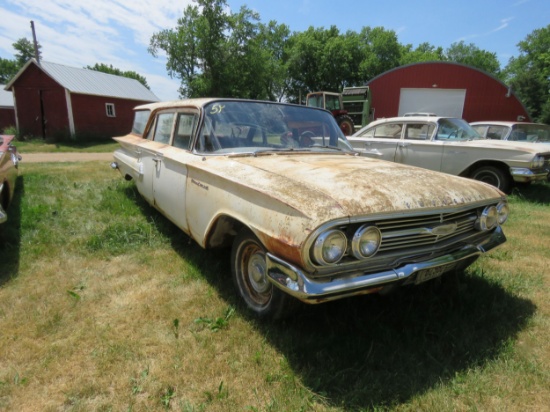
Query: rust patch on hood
x=330 y=186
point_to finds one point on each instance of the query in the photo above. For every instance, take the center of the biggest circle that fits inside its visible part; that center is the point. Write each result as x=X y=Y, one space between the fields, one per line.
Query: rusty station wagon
x=306 y=216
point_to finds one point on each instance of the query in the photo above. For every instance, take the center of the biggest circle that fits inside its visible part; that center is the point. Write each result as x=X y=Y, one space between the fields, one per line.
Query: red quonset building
x=7 y=110
x=53 y=100
x=446 y=89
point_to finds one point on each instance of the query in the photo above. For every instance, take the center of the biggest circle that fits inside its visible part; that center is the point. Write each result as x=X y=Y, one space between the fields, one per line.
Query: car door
x=148 y=152
x=378 y=141
x=418 y=148
x=169 y=174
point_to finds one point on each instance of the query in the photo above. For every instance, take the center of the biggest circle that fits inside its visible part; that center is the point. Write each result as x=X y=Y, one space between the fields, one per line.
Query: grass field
x=39 y=145
x=106 y=306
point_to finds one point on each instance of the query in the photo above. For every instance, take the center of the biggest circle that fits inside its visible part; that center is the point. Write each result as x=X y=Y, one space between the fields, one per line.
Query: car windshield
x=244 y=127
x=531 y=133
x=456 y=129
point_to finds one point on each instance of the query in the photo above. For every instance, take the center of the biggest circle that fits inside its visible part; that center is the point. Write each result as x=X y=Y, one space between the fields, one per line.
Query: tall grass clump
x=106 y=305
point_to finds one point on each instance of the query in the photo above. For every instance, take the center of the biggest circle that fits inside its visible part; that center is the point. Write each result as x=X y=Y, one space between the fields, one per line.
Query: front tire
x=249 y=271
x=494 y=176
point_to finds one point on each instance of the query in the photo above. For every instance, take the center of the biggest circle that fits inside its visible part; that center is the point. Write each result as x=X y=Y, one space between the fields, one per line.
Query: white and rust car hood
x=333 y=186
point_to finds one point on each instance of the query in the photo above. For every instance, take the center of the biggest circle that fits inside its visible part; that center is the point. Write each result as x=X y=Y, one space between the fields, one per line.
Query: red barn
x=7 y=110
x=446 y=89
x=52 y=100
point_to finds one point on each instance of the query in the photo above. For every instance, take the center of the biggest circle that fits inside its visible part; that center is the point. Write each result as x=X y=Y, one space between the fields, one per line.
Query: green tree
x=101 y=67
x=243 y=71
x=472 y=55
x=323 y=59
x=273 y=43
x=8 y=69
x=196 y=49
x=381 y=51
x=529 y=74
x=217 y=53
x=424 y=52
x=24 y=50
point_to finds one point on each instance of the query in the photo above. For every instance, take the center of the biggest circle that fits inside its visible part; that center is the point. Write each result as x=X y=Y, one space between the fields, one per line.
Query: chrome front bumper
x=525 y=175
x=295 y=282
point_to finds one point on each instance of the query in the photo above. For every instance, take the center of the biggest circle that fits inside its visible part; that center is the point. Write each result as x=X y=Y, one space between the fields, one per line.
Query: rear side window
x=163 y=128
x=184 y=130
x=389 y=131
x=419 y=131
x=140 y=121
x=496 y=132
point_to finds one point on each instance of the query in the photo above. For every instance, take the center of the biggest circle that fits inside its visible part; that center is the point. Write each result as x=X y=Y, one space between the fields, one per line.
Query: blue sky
x=79 y=33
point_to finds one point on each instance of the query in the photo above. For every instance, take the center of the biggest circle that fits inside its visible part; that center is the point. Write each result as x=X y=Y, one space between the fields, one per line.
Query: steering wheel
x=306 y=139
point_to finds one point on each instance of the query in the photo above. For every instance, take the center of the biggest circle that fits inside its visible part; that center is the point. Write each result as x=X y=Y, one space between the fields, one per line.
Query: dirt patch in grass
x=65 y=157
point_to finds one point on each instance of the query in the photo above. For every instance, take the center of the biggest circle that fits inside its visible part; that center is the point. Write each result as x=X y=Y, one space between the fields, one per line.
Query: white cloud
x=164 y=88
x=79 y=33
x=503 y=24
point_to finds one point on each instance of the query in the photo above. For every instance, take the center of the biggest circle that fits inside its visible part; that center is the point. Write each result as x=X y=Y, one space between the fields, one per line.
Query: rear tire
x=249 y=272
x=494 y=176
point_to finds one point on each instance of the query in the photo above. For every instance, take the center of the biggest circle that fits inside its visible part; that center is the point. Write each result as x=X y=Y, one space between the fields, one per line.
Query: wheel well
x=222 y=232
x=499 y=165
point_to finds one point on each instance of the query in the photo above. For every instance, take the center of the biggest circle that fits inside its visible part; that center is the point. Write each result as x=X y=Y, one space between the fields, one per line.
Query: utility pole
x=36 y=54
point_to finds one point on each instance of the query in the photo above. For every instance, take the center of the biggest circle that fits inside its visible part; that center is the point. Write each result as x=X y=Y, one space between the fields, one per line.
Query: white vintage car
x=305 y=215
x=450 y=145
x=513 y=131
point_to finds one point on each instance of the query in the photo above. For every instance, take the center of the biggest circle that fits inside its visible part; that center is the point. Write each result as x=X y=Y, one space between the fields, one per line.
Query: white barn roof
x=92 y=82
x=6 y=98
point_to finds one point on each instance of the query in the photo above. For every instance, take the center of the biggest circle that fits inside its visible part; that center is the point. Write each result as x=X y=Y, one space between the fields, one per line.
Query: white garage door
x=442 y=102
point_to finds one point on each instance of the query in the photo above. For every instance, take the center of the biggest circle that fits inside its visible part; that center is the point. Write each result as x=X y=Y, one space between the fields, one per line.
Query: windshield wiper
x=333 y=148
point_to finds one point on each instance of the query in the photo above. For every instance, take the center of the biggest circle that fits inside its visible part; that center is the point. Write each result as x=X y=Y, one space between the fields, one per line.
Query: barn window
x=110 y=109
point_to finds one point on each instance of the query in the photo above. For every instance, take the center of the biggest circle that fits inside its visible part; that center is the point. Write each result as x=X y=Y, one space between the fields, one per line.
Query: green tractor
x=333 y=103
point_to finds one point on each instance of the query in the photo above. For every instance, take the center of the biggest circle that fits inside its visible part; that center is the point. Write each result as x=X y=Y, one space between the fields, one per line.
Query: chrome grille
x=409 y=233
x=408 y=239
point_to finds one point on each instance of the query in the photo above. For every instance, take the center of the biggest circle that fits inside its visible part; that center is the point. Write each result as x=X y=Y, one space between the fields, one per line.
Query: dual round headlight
x=331 y=246
x=493 y=216
x=537 y=162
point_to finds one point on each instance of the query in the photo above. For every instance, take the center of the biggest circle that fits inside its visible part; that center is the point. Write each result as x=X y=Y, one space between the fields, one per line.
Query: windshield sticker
x=217 y=109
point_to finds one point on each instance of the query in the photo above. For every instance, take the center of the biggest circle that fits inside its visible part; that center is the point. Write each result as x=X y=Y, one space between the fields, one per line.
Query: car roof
x=176 y=103
x=502 y=123
x=432 y=119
